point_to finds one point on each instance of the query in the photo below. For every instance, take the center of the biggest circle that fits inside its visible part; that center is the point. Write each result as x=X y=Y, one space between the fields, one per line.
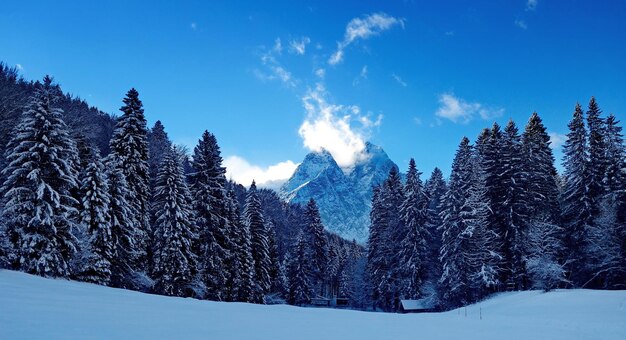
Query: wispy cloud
x=399 y=80
x=521 y=24
x=449 y=33
x=299 y=46
x=340 y=129
x=417 y=121
x=242 y=172
x=273 y=69
x=19 y=67
x=362 y=76
x=557 y=140
x=531 y=5
x=458 y=110
x=193 y=26
x=278 y=46
x=361 y=29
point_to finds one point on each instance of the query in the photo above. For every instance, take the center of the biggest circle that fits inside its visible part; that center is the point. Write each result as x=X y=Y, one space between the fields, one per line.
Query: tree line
x=505 y=219
x=148 y=217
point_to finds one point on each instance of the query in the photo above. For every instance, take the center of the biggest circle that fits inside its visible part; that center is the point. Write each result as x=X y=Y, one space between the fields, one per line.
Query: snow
x=33 y=307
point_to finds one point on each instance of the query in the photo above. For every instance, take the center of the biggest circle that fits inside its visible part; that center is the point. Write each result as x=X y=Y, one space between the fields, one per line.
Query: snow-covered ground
x=34 y=308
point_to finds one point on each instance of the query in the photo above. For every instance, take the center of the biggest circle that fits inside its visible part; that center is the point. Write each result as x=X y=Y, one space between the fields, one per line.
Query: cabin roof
x=416 y=304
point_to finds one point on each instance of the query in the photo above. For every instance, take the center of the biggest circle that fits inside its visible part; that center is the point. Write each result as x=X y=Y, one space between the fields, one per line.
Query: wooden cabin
x=416 y=306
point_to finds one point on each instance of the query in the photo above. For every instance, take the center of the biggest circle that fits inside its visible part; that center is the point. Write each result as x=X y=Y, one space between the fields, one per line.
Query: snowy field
x=35 y=308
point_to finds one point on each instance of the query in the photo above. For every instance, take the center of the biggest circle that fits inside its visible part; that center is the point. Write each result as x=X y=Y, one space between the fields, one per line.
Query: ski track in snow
x=35 y=308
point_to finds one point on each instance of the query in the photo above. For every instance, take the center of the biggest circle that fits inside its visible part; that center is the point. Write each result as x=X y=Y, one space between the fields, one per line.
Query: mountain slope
x=344 y=196
x=36 y=308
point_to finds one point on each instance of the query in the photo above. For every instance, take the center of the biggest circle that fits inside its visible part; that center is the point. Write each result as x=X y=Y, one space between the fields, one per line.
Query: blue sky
x=276 y=79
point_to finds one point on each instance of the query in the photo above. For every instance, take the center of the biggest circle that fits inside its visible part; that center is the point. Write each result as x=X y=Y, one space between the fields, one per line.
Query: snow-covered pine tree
x=496 y=154
x=123 y=227
x=606 y=243
x=540 y=174
x=96 y=221
x=513 y=181
x=543 y=248
x=39 y=212
x=597 y=154
x=255 y=222
x=377 y=247
x=454 y=278
x=159 y=145
x=242 y=267
x=276 y=274
x=435 y=188
x=208 y=183
x=414 y=247
x=173 y=263
x=129 y=145
x=576 y=200
x=393 y=196
x=542 y=192
x=317 y=246
x=480 y=240
x=298 y=273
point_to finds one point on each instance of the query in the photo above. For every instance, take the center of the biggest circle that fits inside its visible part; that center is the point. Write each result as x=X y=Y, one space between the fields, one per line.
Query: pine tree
x=317 y=246
x=208 y=182
x=597 y=154
x=539 y=173
x=242 y=276
x=607 y=238
x=414 y=248
x=129 y=145
x=513 y=181
x=542 y=193
x=174 y=263
x=393 y=196
x=96 y=219
x=39 y=212
x=253 y=218
x=377 y=244
x=481 y=243
x=435 y=189
x=159 y=145
x=123 y=231
x=543 y=248
x=454 y=279
x=576 y=200
x=298 y=274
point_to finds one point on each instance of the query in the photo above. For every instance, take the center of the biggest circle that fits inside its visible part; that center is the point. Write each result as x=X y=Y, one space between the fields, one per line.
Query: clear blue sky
x=413 y=77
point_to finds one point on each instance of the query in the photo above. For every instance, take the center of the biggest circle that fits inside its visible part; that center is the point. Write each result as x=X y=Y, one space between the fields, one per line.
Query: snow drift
x=33 y=308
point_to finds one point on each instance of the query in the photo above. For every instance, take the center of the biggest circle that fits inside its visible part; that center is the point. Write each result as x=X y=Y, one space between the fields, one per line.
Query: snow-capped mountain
x=344 y=196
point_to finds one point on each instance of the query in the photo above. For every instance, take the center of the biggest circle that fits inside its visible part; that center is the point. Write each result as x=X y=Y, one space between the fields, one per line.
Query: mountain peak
x=344 y=198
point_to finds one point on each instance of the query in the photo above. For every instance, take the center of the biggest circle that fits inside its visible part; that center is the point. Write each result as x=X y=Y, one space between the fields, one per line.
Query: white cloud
x=330 y=126
x=283 y=75
x=299 y=46
x=242 y=172
x=273 y=68
x=399 y=80
x=320 y=72
x=278 y=46
x=521 y=24
x=362 y=76
x=194 y=26
x=531 y=5
x=557 y=140
x=362 y=29
x=458 y=110
x=363 y=73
